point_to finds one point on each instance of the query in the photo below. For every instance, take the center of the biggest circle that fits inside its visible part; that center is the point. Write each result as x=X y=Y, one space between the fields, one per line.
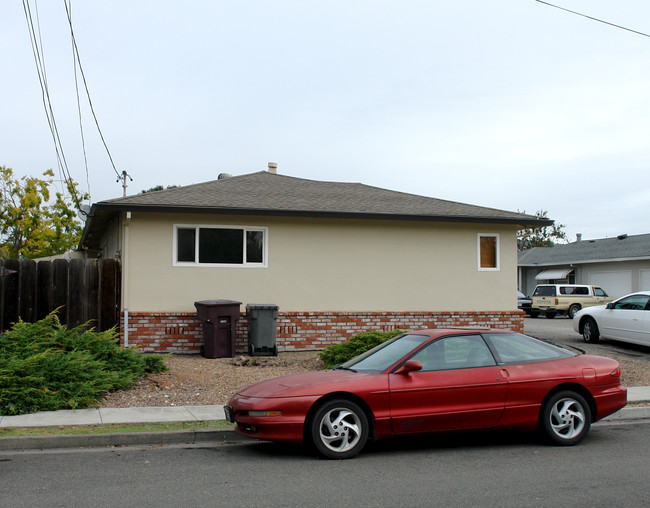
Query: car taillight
x=616 y=372
x=557 y=302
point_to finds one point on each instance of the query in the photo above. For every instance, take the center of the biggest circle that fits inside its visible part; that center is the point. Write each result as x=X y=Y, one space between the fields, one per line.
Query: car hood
x=307 y=383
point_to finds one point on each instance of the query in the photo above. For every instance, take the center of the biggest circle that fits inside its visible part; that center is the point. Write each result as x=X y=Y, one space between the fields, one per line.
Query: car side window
x=633 y=302
x=516 y=348
x=599 y=292
x=457 y=352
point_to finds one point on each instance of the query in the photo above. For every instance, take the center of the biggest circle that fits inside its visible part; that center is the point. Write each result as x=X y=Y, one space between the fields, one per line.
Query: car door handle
x=504 y=373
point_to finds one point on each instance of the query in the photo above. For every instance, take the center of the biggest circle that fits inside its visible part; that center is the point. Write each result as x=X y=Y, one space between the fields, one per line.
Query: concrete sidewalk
x=103 y=416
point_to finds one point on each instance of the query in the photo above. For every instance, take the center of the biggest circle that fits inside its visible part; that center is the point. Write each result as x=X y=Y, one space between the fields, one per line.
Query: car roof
x=439 y=332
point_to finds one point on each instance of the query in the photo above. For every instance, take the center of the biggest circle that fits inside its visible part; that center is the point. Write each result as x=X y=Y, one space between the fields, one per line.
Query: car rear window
x=517 y=348
x=544 y=291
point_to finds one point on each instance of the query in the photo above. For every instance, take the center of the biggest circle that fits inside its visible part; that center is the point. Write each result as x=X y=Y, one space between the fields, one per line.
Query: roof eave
x=110 y=207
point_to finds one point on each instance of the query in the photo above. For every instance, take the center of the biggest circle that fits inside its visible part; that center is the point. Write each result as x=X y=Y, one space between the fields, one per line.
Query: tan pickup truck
x=567 y=298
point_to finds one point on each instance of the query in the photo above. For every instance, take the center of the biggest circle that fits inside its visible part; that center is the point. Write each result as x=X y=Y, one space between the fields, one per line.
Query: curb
x=172 y=437
x=198 y=437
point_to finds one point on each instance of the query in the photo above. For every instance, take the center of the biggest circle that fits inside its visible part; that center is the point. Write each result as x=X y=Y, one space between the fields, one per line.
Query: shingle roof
x=265 y=193
x=588 y=251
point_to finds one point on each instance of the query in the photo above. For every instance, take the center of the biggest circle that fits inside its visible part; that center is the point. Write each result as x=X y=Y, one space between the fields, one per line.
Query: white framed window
x=229 y=246
x=488 y=251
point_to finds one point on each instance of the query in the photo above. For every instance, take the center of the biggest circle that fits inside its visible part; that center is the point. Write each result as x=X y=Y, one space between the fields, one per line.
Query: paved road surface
x=610 y=468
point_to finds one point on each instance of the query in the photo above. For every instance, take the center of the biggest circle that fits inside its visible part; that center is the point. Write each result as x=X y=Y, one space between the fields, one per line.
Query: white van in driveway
x=568 y=299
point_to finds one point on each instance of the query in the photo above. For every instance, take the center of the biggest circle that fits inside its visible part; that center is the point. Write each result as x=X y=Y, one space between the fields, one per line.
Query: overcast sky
x=510 y=104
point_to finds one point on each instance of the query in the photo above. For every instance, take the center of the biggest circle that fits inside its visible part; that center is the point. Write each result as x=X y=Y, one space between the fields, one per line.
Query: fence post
x=10 y=279
x=44 y=287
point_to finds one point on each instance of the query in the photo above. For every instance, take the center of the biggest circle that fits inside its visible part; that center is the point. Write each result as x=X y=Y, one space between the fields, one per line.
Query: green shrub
x=354 y=346
x=46 y=366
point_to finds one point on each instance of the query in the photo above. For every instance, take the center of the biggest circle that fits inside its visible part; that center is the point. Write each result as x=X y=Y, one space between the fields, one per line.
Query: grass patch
x=115 y=428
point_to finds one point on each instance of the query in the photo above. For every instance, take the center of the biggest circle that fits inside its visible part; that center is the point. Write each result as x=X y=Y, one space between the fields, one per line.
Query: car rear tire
x=550 y=315
x=590 y=331
x=339 y=429
x=566 y=418
x=573 y=310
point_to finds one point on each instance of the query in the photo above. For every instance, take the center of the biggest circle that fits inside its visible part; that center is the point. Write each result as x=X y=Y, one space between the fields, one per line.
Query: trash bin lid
x=216 y=303
x=261 y=306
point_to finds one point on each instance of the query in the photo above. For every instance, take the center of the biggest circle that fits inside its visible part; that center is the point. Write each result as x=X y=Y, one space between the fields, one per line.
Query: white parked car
x=626 y=319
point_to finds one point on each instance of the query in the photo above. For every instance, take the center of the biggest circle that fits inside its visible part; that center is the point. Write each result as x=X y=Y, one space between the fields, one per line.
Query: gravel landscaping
x=195 y=381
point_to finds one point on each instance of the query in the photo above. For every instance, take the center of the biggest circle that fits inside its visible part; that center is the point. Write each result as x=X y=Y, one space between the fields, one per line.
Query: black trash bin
x=262 y=329
x=219 y=319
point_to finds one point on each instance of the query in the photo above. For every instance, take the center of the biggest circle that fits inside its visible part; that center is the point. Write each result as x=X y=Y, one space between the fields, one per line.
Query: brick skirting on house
x=182 y=332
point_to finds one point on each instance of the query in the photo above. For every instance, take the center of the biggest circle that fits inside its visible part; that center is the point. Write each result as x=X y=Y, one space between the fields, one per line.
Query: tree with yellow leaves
x=33 y=225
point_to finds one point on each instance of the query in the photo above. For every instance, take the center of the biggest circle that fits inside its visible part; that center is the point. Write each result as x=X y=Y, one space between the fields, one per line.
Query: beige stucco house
x=337 y=258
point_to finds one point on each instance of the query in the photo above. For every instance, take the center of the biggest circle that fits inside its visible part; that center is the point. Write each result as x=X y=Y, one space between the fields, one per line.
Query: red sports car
x=431 y=381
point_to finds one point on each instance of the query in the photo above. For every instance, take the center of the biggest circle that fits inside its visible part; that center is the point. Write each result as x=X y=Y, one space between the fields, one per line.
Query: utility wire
x=37 y=50
x=592 y=18
x=90 y=102
x=75 y=57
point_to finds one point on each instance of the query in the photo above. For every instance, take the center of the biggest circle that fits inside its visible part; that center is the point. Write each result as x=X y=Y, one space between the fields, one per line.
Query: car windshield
x=517 y=348
x=379 y=358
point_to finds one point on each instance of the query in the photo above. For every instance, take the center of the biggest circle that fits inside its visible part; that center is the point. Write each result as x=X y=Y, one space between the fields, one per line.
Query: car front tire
x=566 y=418
x=590 y=331
x=339 y=429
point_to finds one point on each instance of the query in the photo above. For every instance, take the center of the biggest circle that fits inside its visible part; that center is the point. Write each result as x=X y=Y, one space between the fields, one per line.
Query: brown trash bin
x=219 y=318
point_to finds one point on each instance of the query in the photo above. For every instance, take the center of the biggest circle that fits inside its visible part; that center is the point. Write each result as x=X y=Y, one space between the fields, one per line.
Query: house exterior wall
x=182 y=333
x=323 y=265
x=350 y=272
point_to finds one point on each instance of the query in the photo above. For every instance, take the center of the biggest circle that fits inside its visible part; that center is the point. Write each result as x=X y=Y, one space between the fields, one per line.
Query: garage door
x=614 y=283
x=645 y=280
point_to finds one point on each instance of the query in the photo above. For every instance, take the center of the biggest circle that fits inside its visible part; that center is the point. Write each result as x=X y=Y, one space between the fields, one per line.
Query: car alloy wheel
x=339 y=429
x=590 y=331
x=566 y=418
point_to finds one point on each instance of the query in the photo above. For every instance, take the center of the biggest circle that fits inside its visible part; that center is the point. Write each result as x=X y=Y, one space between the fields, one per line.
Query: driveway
x=560 y=331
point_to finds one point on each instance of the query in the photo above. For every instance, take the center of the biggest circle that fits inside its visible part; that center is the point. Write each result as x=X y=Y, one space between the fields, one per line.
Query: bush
x=45 y=366
x=354 y=346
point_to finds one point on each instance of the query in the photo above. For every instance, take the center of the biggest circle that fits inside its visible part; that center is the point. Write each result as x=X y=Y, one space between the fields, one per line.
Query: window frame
x=198 y=227
x=497 y=253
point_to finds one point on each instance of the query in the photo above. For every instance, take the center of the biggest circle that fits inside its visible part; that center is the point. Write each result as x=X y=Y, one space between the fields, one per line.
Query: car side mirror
x=409 y=366
x=610 y=306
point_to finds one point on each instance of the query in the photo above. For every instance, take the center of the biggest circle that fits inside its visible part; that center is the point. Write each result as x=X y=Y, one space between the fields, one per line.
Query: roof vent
x=273 y=168
x=578 y=237
x=621 y=237
x=223 y=176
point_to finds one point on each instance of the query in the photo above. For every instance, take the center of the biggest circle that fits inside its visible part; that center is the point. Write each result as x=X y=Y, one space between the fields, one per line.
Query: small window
x=599 y=292
x=220 y=246
x=488 y=252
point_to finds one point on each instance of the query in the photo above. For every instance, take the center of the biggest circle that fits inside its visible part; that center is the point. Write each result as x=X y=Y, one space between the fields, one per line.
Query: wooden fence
x=82 y=290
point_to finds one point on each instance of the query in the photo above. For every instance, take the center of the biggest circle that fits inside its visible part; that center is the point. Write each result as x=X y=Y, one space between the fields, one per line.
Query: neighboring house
x=337 y=258
x=619 y=265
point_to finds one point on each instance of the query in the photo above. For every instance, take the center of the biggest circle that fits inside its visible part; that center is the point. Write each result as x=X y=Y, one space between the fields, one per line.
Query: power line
x=81 y=126
x=592 y=18
x=90 y=102
x=37 y=50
